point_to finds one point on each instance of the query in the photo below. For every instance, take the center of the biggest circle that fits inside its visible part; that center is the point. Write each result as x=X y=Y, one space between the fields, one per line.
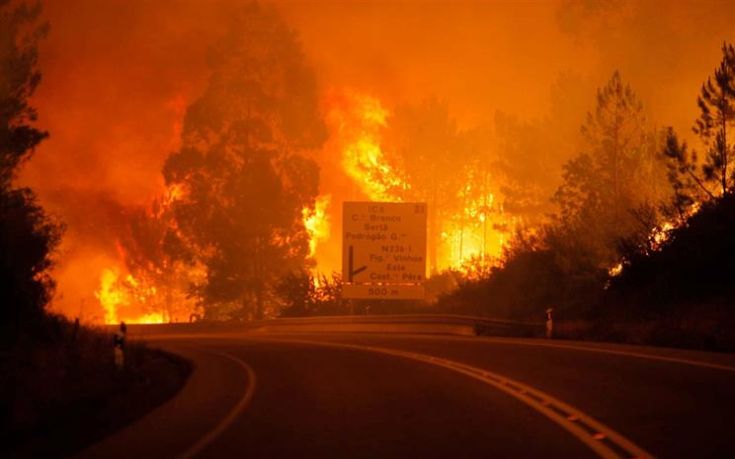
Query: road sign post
x=383 y=250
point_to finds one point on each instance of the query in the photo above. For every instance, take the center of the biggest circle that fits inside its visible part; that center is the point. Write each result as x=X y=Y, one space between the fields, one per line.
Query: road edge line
x=639 y=355
x=225 y=423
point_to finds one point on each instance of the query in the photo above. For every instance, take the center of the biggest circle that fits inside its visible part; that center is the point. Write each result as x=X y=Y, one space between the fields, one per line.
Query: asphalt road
x=390 y=395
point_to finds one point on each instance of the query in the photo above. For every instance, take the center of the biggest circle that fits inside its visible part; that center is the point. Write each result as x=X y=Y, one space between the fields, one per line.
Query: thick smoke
x=118 y=75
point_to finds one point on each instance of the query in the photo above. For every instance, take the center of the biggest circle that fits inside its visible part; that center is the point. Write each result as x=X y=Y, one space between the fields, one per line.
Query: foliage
x=694 y=264
x=717 y=115
x=516 y=291
x=688 y=187
x=442 y=284
x=619 y=173
x=523 y=162
x=19 y=78
x=609 y=197
x=424 y=144
x=27 y=235
x=690 y=179
x=162 y=269
x=652 y=211
x=27 y=238
x=241 y=167
x=54 y=391
x=303 y=294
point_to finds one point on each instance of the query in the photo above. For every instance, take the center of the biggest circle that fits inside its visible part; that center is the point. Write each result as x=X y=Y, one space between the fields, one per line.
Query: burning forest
x=286 y=228
x=213 y=164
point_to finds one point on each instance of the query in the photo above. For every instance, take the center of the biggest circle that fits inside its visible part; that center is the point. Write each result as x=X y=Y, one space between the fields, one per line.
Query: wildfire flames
x=473 y=234
x=316 y=222
x=112 y=128
x=357 y=125
x=119 y=296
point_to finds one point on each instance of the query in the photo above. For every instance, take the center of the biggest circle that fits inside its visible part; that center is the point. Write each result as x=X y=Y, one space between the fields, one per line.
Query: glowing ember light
x=658 y=237
x=127 y=299
x=316 y=222
x=615 y=270
x=661 y=234
x=131 y=280
x=173 y=193
x=151 y=318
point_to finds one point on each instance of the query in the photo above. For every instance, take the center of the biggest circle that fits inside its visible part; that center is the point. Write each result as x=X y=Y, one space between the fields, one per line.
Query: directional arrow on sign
x=350 y=264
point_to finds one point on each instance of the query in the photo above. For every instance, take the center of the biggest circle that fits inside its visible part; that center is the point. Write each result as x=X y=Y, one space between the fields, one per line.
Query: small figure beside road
x=118 y=343
x=549 y=323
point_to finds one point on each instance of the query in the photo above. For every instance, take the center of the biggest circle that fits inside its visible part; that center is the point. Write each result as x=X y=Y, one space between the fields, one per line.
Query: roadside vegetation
x=59 y=387
x=637 y=246
x=65 y=393
x=640 y=246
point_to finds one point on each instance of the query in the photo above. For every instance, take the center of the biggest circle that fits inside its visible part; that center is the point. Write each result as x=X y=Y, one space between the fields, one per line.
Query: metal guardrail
x=443 y=323
x=406 y=318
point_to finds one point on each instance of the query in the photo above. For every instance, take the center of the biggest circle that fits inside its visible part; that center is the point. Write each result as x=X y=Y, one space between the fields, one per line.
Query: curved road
x=372 y=395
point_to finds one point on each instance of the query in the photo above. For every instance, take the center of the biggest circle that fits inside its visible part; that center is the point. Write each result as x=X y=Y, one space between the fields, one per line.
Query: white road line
x=603 y=440
x=244 y=401
x=639 y=355
x=583 y=348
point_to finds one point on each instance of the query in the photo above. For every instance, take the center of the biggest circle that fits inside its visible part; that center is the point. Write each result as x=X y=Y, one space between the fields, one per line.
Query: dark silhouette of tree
x=20 y=78
x=244 y=178
x=27 y=235
x=303 y=295
x=620 y=172
x=717 y=115
x=694 y=264
x=688 y=186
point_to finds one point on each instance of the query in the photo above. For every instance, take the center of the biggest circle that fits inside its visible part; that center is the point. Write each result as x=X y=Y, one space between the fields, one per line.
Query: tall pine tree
x=717 y=116
x=619 y=173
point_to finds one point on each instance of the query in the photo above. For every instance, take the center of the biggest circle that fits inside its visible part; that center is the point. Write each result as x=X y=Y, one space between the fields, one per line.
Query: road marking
x=223 y=425
x=603 y=440
x=578 y=347
x=640 y=355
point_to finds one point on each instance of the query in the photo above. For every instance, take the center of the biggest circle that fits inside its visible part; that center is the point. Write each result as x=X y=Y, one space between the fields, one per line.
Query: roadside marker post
x=118 y=343
x=549 y=323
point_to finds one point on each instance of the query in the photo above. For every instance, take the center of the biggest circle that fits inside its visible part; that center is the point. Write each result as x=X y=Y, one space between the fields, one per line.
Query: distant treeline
x=642 y=242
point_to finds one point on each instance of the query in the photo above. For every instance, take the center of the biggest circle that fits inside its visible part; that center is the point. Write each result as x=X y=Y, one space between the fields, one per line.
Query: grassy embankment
x=63 y=393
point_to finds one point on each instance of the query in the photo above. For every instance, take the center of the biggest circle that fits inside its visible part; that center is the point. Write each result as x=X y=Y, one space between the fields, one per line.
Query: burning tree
x=481 y=224
x=620 y=173
x=423 y=143
x=244 y=177
x=162 y=269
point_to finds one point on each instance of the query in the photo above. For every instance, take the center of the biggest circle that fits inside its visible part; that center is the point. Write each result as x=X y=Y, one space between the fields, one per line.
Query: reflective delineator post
x=549 y=323
x=119 y=345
